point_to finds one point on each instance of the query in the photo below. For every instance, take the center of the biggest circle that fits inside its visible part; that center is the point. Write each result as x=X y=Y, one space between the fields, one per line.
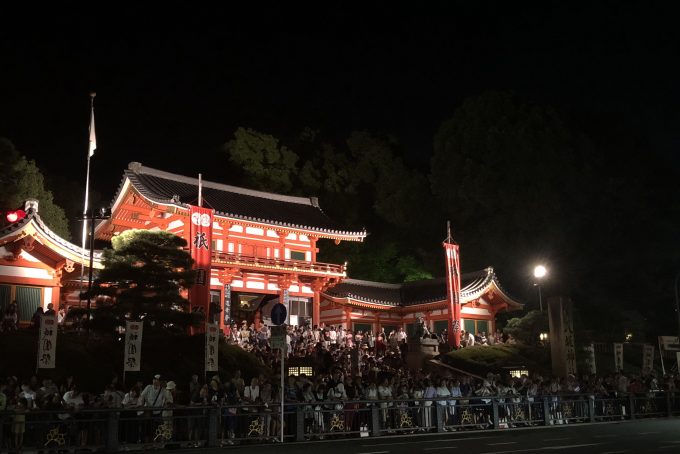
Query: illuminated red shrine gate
x=366 y=305
x=263 y=251
x=263 y=247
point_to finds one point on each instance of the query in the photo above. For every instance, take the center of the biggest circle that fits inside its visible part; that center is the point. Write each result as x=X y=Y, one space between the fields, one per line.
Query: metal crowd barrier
x=127 y=429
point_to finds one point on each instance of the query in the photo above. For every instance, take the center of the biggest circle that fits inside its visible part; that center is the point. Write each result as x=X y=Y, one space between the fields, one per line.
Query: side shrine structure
x=252 y=249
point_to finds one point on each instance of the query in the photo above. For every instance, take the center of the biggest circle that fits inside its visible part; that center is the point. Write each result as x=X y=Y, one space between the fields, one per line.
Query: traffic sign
x=278 y=338
x=279 y=314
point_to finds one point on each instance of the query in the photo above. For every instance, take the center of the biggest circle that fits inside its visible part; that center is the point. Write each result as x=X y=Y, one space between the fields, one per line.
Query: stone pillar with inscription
x=562 y=349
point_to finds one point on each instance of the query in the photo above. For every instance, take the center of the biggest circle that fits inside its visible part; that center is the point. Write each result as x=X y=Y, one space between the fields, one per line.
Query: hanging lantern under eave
x=15 y=216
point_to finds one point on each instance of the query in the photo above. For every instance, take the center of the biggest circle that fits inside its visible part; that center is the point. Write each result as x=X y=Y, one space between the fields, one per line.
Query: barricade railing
x=116 y=429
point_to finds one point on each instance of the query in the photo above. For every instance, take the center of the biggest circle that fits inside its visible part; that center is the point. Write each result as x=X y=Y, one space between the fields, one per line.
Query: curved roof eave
x=314 y=231
x=33 y=223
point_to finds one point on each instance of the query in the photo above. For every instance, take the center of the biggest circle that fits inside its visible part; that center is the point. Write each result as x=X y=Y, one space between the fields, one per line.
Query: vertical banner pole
x=453 y=288
x=281 y=393
x=663 y=366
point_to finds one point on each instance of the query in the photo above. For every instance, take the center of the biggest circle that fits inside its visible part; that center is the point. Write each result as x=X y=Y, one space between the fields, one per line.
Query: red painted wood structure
x=264 y=250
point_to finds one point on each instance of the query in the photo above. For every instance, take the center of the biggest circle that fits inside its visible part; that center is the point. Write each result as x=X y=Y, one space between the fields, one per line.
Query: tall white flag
x=93 y=136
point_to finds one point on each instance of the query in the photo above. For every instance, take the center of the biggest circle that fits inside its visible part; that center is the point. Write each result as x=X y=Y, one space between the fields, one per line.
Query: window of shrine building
x=389 y=329
x=297 y=255
x=28 y=300
x=476 y=326
x=216 y=297
x=440 y=325
x=363 y=327
x=301 y=308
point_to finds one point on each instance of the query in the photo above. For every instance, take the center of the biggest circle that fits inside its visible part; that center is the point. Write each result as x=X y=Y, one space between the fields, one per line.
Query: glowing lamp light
x=540 y=271
x=14 y=216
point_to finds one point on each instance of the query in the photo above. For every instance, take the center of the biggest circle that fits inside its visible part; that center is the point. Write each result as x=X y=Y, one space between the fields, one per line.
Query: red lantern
x=15 y=215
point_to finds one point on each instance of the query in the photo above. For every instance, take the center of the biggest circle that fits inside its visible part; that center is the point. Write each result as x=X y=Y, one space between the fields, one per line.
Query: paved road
x=643 y=436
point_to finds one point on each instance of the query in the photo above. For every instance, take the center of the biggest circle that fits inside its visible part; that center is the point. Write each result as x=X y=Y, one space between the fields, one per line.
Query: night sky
x=173 y=83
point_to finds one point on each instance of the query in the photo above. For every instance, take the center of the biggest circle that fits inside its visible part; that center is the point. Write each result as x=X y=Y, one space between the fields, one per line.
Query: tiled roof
x=412 y=293
x=234 y=202
x=32 y=216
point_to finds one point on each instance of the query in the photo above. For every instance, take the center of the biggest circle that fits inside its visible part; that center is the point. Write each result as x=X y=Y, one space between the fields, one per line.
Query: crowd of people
x=300 y=339
x=10 y=316
x=351 y=370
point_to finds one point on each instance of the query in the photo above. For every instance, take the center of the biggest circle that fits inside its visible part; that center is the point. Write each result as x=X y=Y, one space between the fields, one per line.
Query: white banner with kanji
x=590 y=358
x=647 y=357
x=47 y=342
x=618 y=357
x=132 y=358
x=212 y=336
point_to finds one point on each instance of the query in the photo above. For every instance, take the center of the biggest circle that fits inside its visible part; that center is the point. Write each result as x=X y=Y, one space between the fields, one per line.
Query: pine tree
x=143 y=276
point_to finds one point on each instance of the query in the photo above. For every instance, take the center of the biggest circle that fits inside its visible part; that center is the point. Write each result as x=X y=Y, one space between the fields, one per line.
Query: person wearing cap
x=170 y=389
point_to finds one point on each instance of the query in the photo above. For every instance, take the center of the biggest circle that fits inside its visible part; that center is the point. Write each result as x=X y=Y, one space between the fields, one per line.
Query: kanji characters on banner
x=562 y=342
x=618 y=356
x=47 y=342
x=132 y=357
x=590 y=358
x=212 y=335
x=647 y=357
x=226 y=310
x=201 y=252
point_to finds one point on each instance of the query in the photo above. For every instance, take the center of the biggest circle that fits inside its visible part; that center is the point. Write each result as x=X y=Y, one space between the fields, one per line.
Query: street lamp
x=539 y=273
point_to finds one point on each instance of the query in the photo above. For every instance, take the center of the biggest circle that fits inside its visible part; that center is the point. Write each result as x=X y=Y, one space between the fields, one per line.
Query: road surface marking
x=445 y=440
x=557 y=439
x=503 y=443
x=545 y=448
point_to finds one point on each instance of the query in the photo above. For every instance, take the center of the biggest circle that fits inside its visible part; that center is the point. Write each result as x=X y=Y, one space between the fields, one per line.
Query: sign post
x=668 y=343
x=278 y=340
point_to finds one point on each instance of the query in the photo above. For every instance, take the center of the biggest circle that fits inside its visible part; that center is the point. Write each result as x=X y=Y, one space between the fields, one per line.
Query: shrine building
x=262 y=250
x=38 y=267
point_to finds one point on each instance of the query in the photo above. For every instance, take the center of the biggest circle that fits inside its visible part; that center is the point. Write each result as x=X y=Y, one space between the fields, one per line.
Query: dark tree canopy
x=361 y=183
x=144 y=274
x=20 y=179
x=521 y=186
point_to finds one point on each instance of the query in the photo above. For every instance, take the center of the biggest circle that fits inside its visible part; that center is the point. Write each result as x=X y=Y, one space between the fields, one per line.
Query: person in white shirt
x=251 y=395
x=333 y=336
x=442 y=391
x=154 y=395
x=385 y=394
x=429 y=393
x=455 y=392
x=401 y=335
x=470 y=339
x=28 y=394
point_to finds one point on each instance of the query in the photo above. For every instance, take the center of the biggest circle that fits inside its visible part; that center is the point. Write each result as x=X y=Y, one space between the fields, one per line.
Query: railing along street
x=124 y=429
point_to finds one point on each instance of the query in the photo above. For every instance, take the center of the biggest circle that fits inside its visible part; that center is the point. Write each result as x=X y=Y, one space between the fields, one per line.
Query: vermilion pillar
x=453 y=290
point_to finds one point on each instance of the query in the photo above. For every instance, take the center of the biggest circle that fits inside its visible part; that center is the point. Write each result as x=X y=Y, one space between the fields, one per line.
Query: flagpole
x=90 y=150
x=200 y=190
